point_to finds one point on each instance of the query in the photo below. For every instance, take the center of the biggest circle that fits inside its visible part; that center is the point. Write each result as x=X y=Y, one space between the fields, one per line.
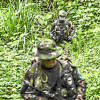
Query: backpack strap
x=34 y=69
x=37 y=69
x=62 y=64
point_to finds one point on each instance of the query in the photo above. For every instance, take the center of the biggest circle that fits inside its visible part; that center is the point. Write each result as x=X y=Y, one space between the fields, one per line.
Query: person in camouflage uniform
x=53 y=76
x=62 y=29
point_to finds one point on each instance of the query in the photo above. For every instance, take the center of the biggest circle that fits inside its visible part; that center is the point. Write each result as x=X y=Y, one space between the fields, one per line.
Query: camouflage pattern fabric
x=47 y=49
x=73 y=83
x=79 y=80
x=61 y=31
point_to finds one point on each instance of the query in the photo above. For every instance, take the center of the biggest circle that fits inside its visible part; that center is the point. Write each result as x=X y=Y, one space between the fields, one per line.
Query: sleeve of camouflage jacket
x=80 y=82
x=52 y=28
x=72 y=28
x=24 y=87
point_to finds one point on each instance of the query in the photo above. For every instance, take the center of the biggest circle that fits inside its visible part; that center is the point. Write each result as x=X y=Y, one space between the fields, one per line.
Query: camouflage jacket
x=73 y=82
x=61 y=30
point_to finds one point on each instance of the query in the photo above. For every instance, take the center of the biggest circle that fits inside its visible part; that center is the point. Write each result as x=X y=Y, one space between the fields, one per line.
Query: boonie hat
x=47 y=49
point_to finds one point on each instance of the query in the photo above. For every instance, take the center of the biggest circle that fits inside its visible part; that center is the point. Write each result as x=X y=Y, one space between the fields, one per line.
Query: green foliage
x=21 y=28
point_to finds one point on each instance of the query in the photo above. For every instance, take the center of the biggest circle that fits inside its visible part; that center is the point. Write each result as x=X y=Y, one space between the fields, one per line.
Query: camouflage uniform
x=62 y=29
x=69 y=85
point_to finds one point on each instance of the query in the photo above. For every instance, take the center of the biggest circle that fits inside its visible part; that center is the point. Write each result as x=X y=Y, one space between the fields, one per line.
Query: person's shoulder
x=34 y=66
x=62 y=62
x=67 y=65
x=55 y=21
x=68 y=22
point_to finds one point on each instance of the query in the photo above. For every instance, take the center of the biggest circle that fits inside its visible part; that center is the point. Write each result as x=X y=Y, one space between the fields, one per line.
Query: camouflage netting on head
x=47 y=49
x=62 y=13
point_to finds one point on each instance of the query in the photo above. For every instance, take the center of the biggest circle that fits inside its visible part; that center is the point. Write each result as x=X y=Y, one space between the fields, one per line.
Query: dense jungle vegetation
x=21 y=27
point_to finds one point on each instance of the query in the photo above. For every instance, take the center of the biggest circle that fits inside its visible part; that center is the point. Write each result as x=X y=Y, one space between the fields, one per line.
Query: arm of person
x=52 y=29
x=26 y=91
x=24 y=86
x=72 y=28
x=80 y=83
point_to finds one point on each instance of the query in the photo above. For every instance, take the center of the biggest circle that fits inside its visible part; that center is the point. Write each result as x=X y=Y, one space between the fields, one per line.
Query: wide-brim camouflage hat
x=47 y=49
